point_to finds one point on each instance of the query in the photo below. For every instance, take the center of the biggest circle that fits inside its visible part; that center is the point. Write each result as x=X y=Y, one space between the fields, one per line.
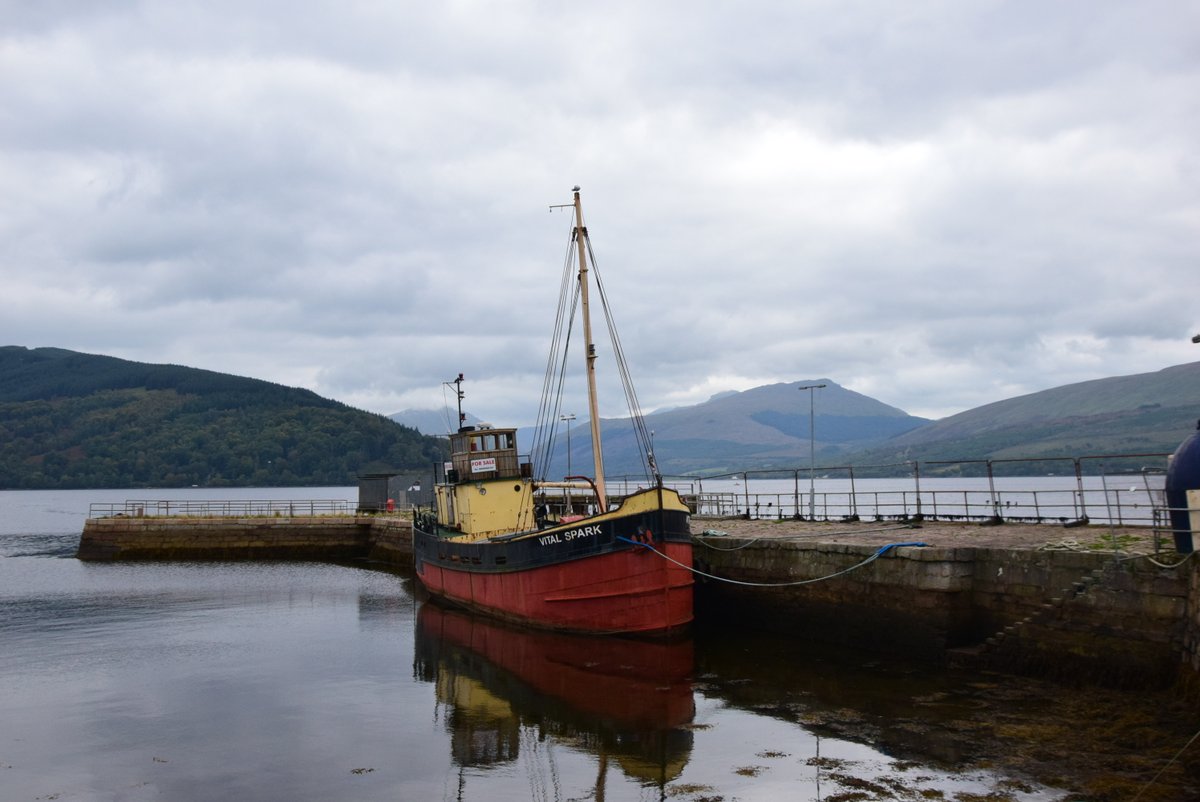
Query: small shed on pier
x=404 y=489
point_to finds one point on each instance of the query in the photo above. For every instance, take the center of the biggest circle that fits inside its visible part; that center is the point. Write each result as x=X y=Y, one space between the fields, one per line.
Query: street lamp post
x=812 y=450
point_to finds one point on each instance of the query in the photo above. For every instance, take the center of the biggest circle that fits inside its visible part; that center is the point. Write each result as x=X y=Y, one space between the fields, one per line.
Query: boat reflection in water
x=627 y=701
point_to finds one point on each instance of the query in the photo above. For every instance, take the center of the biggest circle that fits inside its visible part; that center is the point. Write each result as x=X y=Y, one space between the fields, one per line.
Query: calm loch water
x=308 y=681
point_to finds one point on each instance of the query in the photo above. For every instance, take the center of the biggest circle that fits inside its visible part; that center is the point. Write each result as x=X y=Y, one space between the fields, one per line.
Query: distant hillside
x=760 y=428
x=73 y=420
x=1140 y=414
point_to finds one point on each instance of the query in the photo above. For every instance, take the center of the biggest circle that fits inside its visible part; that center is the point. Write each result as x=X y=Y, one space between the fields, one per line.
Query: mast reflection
x=627 y=701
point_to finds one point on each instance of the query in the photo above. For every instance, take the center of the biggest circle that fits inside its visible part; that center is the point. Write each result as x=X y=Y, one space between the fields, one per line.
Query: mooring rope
x=1069 y=544
x=882 y=550
x=1153 y=561
x=1165 y=767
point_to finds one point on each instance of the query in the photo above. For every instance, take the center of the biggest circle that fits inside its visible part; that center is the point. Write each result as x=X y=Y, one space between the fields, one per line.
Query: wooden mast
x=590 y=351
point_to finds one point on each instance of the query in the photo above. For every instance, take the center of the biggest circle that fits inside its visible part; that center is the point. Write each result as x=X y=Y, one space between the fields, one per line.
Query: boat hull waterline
x=607 y=574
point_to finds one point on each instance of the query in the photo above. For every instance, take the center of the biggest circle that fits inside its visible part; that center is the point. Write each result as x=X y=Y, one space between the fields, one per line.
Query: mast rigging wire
x=550 y=404
x=637 y=419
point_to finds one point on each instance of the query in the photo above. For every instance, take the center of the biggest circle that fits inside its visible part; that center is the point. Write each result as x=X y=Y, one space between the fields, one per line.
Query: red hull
x=630 y=590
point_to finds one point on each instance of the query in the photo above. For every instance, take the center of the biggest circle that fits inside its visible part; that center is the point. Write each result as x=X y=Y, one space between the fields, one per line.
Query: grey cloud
x=935 y=203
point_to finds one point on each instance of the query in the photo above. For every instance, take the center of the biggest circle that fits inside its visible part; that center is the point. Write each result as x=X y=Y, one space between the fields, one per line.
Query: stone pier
x=380 y=538
x=970 y=594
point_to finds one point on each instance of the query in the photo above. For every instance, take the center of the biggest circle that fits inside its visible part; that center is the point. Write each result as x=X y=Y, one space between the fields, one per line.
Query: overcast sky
x=937 y=203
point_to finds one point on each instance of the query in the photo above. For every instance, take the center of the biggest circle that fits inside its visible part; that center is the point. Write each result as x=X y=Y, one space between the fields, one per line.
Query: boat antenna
x=458 y=392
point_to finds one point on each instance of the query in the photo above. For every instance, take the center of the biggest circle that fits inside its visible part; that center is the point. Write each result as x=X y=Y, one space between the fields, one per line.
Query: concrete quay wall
x=1060 y=612
x=390 y=540
x=326 y=537
x=909 y=600
x=1067 y=613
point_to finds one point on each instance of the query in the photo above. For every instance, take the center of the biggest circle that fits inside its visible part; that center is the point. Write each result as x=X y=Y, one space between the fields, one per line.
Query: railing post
x=1083 y=515
x=1120 y=504
x=917 y=480
x=796 y=494
x=1108 y=508
x=992 y=495
x=1107 y=503
x=853 y=497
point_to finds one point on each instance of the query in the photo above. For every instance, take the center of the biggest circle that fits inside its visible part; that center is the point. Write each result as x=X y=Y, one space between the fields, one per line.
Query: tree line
x=71 y=422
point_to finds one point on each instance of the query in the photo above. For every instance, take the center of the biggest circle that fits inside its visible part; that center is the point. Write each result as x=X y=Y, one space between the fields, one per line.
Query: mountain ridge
x=1144 y=413
x=69 y=419
x=767 y=427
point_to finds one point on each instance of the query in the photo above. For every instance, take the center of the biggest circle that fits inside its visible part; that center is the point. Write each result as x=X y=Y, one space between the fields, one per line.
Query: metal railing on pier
x=970 y=490
x=1115 y=505
x=235 y=508
x=1084 y=493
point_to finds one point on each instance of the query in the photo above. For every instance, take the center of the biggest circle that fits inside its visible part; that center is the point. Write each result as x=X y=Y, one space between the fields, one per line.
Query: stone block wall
x=224 y=538
x=1071 y=613
x=1191 y=635
x=392 y=541
x=910 y=600
x=1066 y=613
x=386 y=539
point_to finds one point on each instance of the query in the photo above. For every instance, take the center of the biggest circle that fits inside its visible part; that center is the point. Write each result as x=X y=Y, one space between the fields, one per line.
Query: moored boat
x=502 y=541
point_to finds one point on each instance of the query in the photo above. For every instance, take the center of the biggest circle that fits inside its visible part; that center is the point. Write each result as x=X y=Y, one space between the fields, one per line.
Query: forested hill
x=73 y=420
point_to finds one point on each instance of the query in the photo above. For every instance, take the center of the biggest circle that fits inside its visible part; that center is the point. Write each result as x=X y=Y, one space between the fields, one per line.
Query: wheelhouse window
x=485 y=454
